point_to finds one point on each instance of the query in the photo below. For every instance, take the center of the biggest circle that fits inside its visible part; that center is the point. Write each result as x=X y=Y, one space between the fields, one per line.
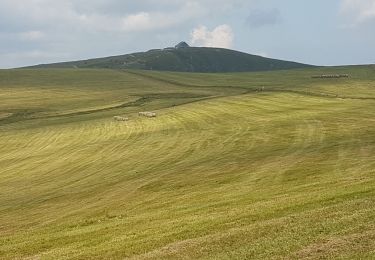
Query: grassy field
x=269 y=165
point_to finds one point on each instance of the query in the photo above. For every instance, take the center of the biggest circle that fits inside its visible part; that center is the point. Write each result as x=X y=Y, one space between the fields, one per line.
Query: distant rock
x=182 y=45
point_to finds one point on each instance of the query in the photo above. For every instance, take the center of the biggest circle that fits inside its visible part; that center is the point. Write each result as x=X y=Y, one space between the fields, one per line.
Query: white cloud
x=358 y=11
x=138 y=21
x=32 y=35
x=222 y=36
x=77 y=14
x=146 y=21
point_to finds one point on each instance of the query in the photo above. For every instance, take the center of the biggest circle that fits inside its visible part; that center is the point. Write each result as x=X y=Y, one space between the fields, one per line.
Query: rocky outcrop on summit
x=182 y=45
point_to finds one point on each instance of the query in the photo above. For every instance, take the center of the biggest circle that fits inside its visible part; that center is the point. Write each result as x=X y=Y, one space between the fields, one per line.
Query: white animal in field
x=147 y=114
x=120 y=118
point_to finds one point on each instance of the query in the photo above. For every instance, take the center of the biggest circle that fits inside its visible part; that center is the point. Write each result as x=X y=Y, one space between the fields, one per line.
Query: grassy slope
x=285 y=173
x=184 y=59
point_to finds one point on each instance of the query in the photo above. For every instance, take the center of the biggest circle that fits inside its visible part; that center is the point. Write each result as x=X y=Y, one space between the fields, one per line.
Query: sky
x=319 y=32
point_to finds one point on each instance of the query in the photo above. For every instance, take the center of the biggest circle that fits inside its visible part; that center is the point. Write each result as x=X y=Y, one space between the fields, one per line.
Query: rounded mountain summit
x=182 y=45
x=184 y=58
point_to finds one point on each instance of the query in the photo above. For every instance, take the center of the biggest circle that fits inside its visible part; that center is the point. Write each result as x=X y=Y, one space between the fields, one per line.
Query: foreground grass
x=239 y=174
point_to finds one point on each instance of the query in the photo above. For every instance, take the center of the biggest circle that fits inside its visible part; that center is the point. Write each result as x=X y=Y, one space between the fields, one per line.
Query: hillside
x=184 y=59
x=261 y=165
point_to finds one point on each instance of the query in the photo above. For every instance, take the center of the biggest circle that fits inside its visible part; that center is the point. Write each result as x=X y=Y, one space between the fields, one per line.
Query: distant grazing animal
x=147 y=114
x=120 y=118
x=330 y=76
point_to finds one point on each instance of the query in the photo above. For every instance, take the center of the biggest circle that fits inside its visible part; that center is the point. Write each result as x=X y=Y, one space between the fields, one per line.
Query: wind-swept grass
x=222 y=172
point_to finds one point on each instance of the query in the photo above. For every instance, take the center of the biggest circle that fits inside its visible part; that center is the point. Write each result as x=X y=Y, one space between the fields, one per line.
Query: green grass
x=224 y=171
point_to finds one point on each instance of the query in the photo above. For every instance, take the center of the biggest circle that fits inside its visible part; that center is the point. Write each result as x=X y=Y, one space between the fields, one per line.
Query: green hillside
x=262 y=165
x=186 y=59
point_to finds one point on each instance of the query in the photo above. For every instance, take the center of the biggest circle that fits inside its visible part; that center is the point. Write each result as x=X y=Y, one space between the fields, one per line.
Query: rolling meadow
x=261 y=165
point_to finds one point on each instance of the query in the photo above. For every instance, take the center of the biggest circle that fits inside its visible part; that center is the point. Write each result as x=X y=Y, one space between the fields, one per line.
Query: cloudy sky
x=319 y=32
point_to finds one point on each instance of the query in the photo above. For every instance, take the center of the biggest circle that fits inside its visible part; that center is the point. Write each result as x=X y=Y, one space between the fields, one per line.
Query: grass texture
x=269 y=165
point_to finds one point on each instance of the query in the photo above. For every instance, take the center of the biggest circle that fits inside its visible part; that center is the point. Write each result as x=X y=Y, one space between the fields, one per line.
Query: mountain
x=184 y=58
x=182 y=45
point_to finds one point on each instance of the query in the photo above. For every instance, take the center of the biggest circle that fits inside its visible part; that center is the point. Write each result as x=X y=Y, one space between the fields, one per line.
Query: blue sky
x=320 y=32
